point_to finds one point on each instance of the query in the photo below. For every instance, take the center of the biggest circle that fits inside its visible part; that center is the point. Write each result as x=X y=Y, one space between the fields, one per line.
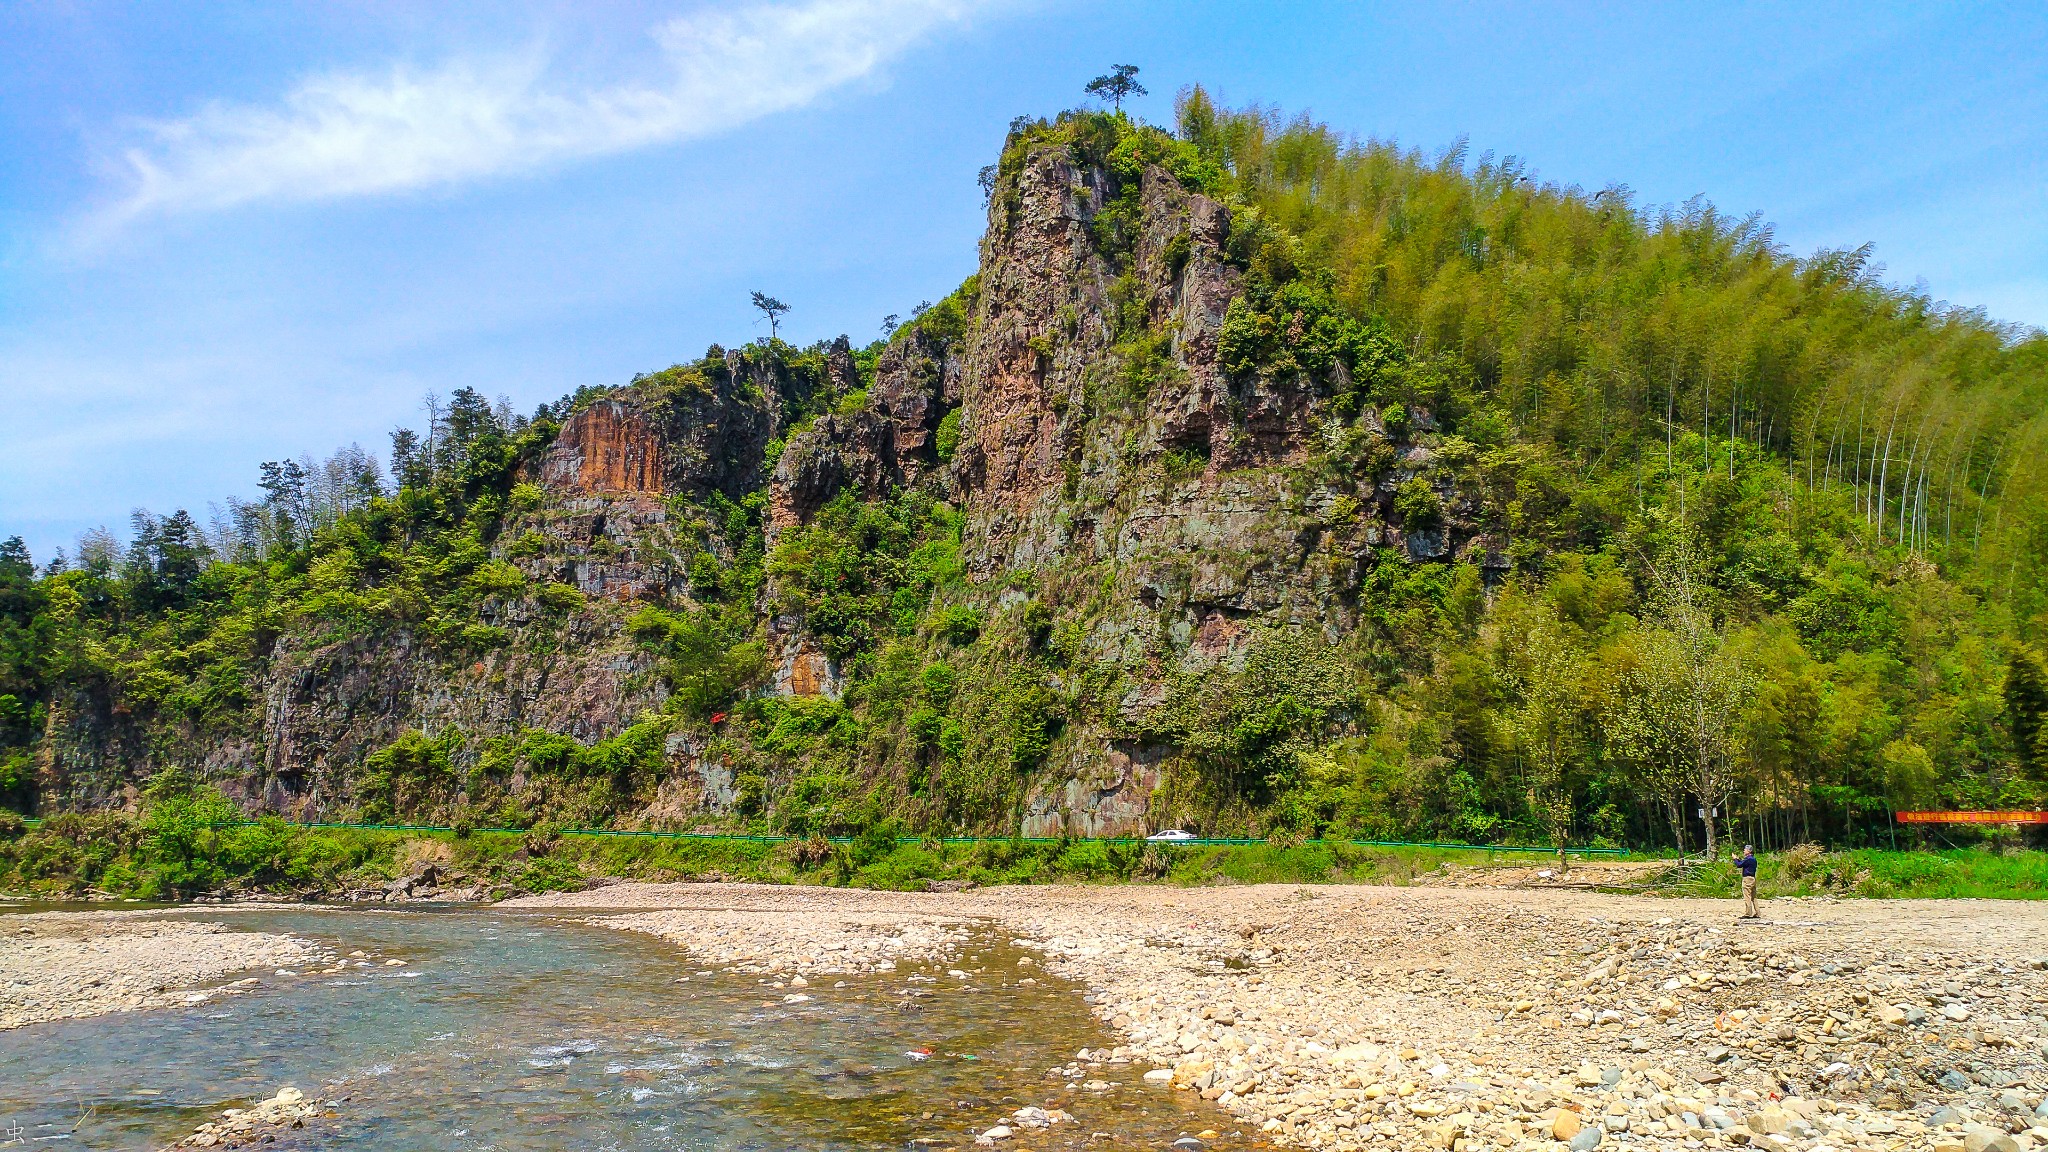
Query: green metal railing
x=741 y=837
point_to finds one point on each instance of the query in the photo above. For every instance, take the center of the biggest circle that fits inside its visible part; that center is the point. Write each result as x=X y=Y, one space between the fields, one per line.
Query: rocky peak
x=836 y=452
x=1041 y=320
x=1095 y=350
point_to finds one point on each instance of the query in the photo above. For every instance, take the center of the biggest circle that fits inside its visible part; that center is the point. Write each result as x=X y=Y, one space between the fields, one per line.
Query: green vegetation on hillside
x=1747 y=484
x=1765 y=536
x=173 y=851
x=1776 y=529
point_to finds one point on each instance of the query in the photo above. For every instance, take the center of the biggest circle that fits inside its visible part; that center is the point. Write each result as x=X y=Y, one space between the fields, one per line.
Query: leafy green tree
x=1640 y=712
x=182 y=818
x=1707 y=687
x=1246 y=729
x=1547 y=671
x=164 y=561
x=26 y=659
x=709 y=655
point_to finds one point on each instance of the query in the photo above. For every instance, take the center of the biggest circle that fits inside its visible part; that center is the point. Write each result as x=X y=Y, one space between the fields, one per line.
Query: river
x=531 y=1030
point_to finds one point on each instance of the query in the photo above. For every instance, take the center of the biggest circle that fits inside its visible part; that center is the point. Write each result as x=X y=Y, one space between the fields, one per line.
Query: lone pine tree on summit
x=774 y=310
x=1122 y=81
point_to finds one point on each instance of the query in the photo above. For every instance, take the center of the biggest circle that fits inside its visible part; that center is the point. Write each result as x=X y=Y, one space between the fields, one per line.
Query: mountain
x=1261 y=480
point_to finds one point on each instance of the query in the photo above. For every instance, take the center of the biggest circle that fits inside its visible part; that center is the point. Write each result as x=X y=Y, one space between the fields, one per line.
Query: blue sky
x=235 y=232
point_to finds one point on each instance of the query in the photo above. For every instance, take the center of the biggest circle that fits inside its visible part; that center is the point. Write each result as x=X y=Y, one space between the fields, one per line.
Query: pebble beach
x=1472 y=1020
x=67 y=965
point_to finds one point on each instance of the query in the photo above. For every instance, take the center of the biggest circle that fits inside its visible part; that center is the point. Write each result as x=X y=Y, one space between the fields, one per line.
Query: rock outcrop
x=609 y=449
x=1079 y=418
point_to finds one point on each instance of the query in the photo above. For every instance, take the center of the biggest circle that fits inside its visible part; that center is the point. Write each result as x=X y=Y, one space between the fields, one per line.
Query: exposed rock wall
x=622 y=486
x=328 y=707
x=607 y=526
x=608 y=448
x=917 y=381
x=1171 y=497
x=1042 y=320
x=888 y=444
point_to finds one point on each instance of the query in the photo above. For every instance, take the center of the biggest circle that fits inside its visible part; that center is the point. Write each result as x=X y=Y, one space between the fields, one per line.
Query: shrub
x=411 y=775
x=551 y=874
x=948 y=440
x=1036 y=621
x=1291 y=836
x=807 y=853
x=1800 y=860
x=179 y=818
x=1418 y=505
x=957 y=624
x=541 y=840
x=1183 y=463
x=946 y=321
x=707 y=655
x=874 y=844
x=17 y=779
x=924 y=726
x=558 y=597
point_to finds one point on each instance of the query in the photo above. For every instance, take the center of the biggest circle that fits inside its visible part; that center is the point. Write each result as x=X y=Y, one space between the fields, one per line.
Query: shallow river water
x=525 y=1030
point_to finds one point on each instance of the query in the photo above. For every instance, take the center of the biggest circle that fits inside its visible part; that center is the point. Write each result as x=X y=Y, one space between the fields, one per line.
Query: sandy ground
x=1472 y=1019
x=60 y=965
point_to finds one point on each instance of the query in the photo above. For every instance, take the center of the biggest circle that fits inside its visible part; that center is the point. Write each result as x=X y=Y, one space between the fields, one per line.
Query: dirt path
x=1473 y=1019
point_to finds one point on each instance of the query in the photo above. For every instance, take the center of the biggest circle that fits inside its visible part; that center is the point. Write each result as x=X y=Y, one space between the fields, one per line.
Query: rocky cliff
x=1130 y=517
x=1109 y=468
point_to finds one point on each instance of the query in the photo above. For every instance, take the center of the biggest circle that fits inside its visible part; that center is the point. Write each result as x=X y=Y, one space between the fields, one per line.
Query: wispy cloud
x=353 y=133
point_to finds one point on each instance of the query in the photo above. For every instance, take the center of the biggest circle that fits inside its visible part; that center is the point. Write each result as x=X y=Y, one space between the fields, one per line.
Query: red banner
x=1973 y=817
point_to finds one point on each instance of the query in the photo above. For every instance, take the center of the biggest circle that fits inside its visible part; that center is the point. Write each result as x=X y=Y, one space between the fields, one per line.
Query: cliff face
x=620 y=509
x=1078 y=418
x=1108 y=466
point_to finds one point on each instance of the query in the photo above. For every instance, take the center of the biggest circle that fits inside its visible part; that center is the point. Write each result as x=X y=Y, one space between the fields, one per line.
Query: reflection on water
x=531 y=1031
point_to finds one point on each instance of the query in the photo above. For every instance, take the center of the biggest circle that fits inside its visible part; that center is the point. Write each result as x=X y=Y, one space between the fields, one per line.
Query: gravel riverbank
x=64 y=965
x=1470 y=1020
x=802 y=943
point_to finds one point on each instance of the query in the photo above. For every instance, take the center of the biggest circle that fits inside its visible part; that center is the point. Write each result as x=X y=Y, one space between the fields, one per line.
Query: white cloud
x=352 y=133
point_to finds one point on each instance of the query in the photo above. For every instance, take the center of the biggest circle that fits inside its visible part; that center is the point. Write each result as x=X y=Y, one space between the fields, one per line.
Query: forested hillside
x=1262 y=480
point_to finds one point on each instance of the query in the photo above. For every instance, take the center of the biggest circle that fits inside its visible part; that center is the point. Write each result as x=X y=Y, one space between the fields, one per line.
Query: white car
x=1171 y=835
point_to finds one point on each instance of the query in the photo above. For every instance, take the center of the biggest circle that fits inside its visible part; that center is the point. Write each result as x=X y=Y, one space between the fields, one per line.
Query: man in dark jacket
x=1747 y=862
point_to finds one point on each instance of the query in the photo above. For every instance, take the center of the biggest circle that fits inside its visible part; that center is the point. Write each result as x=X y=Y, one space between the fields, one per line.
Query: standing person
x=1747 y=862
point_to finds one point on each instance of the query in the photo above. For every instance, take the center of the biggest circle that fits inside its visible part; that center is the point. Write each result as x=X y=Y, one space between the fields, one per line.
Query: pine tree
x=774 y=310
x=1119 y=83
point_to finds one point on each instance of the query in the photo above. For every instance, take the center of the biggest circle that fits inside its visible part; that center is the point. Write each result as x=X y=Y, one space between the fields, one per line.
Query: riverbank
x=67 y=965
x=530 y=1031
x=1349 y=1017
x=102 y=856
